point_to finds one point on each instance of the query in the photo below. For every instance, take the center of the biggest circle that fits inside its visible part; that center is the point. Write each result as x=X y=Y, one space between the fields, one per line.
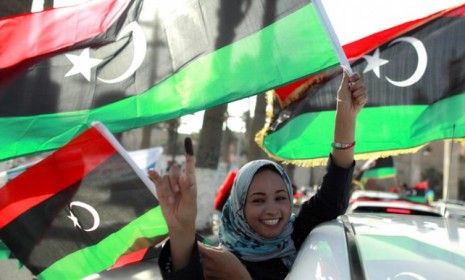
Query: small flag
x=380 y=168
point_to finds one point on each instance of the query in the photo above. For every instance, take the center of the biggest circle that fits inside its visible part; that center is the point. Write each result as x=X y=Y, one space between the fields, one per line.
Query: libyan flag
x=177 y=58
x=416 y=85
x=79 y=210
x=380 y=168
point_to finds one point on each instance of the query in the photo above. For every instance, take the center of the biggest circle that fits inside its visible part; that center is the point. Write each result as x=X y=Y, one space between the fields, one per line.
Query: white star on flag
x=74 y=219
x=374 y=62
x=82 y=63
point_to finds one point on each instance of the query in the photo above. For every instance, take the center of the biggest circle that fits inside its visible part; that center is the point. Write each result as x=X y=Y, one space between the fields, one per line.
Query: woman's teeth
x=271 y=222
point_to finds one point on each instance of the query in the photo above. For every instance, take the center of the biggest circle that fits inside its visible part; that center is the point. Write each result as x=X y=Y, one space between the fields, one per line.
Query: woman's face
x=267 y=206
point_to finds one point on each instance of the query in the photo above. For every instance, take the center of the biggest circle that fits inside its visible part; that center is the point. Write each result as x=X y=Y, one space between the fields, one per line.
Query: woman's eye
x=258 y=200
x=281 y=198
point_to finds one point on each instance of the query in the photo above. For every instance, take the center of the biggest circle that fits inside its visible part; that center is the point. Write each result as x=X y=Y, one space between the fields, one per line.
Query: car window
x=323 y=255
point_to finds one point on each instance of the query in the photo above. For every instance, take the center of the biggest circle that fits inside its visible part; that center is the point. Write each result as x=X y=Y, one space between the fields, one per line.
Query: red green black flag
x=416 y=86
x=379 y=168
x=175 y=58
x=80 y=209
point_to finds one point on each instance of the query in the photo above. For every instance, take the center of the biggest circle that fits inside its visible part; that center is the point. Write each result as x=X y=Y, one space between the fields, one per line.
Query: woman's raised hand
x=177 y=193
x=352 y=93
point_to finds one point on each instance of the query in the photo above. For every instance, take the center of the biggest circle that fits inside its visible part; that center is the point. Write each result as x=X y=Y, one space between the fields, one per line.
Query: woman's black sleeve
x=193 y=270
x=330 y=201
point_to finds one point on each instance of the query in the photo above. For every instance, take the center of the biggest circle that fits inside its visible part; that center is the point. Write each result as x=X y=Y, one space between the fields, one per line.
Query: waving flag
x=387 y=21
x=78 y=210
x=416 y=88
x=177 y=58
x=379 y=168
x=26 y=35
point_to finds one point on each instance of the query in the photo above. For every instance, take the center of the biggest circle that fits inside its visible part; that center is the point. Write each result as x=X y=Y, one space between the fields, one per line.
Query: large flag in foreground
x=416 y=88
x=178 y=58
x=78 y=210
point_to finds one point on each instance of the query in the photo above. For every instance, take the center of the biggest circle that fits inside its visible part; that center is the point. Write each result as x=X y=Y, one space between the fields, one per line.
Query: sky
x=193 y=123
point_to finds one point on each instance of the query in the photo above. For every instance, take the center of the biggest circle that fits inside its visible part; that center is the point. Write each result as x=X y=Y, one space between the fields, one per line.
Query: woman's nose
x=270 y=208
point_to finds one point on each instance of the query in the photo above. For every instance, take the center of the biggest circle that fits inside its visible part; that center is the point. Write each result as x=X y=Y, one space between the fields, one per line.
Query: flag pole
x=446 y=169
x=320 y=9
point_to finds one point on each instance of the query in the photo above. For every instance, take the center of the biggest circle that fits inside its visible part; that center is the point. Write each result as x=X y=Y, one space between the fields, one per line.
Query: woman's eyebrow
x=282 y=190
x=257 y=193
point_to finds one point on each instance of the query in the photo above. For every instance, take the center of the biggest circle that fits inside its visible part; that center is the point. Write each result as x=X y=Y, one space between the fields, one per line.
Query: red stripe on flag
x=55 y=173
x=359 y=48
x=30 y=35
x=130 y=258
x=459 y=12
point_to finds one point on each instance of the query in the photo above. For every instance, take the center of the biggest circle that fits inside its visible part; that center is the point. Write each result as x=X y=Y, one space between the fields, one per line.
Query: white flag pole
x=446 y=169
x=320 y=9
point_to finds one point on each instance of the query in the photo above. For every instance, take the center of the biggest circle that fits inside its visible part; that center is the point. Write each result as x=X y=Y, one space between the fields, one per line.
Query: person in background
x=259 y=235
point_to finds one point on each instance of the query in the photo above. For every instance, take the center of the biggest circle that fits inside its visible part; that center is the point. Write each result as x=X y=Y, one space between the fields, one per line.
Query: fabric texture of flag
x=416 y=86
x=25 y=34
x=177 y=58
x=78 y=210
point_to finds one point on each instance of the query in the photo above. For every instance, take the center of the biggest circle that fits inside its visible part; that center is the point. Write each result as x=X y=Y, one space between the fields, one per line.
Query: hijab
x=235 y=233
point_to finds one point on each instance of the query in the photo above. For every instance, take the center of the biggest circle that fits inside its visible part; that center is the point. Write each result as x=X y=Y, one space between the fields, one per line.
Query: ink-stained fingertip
x=188 y=146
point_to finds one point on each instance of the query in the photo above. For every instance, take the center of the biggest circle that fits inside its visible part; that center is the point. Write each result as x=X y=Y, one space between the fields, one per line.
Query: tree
x=208 y=153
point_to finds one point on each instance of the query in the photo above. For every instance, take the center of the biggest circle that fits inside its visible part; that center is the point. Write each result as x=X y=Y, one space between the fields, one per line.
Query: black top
x=330 y=201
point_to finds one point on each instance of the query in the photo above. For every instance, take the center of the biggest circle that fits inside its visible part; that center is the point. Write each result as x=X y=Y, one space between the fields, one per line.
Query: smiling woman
x=263 y=229
x=259 y=236
x=267 y=208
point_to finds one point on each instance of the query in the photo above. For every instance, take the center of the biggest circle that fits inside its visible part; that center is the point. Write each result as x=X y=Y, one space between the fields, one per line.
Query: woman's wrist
x=182 y=230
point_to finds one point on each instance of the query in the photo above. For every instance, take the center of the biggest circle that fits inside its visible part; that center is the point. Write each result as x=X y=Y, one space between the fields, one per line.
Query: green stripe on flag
x=4 y=251
x=291 y=48
x=379 y=173
x=103 y=255
x=388 y=129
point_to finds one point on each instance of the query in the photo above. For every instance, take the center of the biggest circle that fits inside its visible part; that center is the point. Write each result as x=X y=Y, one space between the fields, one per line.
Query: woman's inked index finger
x=188 y=146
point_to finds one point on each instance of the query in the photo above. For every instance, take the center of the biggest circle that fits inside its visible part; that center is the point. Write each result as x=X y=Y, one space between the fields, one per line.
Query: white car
x=373 y=195
x=451 y=208
x=383 y=246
